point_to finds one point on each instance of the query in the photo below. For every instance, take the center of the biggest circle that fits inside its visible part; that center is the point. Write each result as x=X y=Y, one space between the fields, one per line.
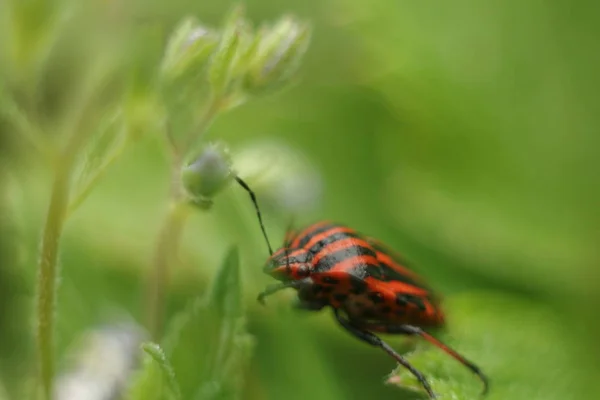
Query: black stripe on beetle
x=331 y=259
x=329 y=239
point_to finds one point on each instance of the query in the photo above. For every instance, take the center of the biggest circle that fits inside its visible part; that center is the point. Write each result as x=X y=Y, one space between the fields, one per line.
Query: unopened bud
x=278 y=55
x=189 y=47
x=207 y=174
x=223 y=60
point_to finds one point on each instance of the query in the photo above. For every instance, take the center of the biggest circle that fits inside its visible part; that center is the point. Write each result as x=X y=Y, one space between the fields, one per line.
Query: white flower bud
x=189 y=47
x=207 y=174
x=278 y=55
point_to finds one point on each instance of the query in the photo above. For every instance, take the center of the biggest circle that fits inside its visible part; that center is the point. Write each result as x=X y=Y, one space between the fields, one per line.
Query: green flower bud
x=278 y=55
x=189 y=47
x=223 y=60
x=207 y=174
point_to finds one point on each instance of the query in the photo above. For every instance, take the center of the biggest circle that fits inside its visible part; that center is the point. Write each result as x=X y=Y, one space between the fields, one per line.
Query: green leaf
x=516 y=343
x=207 y=344
x=158 y=355
x=225 y=295
x=147 y=383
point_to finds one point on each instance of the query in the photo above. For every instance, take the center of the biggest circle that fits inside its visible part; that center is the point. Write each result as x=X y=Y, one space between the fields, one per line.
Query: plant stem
x=47 y=279
x=48 y=261
x=166 y=250
x=172 y=227
x=211 y=111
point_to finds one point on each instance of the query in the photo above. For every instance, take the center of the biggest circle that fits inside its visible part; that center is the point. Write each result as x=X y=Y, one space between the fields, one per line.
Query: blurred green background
x=463 y=134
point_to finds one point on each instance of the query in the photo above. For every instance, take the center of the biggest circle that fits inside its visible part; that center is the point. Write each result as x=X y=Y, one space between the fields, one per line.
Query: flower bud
x=207 y=174
x=278 y=55
x=190 y=45
x=223 y=60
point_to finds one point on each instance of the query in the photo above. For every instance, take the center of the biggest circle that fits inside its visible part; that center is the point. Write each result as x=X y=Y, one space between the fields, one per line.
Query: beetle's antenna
x=260 y=220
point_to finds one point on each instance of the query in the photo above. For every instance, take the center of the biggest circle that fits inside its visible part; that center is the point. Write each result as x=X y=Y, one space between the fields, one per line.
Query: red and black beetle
x=367 y=285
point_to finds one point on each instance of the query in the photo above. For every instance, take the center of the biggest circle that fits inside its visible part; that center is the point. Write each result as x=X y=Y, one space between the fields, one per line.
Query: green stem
x=48 y=261
x=47 y=279
x=166 y=250
x=171 y=231
x=211 y=111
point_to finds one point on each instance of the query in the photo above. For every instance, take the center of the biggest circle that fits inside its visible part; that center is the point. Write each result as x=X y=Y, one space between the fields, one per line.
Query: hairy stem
x=166 y=251
x=171 y=231
x=48 y=261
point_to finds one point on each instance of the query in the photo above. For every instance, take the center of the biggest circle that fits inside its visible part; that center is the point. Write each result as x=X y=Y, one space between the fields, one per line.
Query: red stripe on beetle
x=344 y=244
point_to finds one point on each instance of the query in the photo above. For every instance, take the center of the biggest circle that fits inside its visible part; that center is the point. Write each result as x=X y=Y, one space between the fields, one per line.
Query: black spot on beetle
x=359 y=286
x=406 y=299
x=369 y=313
x=341 y=297
x=419 y=303
x=376 y=297
x=327 y=289
x=358 y=304
x=401 y=299
x=330 y=280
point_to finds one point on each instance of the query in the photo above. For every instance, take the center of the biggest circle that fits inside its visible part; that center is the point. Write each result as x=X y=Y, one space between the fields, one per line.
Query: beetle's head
x=289 y=265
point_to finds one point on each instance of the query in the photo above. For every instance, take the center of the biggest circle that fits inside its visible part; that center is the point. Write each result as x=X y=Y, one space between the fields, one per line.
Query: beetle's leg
x=414 y=330
x=269 y=290
x=374 y=340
